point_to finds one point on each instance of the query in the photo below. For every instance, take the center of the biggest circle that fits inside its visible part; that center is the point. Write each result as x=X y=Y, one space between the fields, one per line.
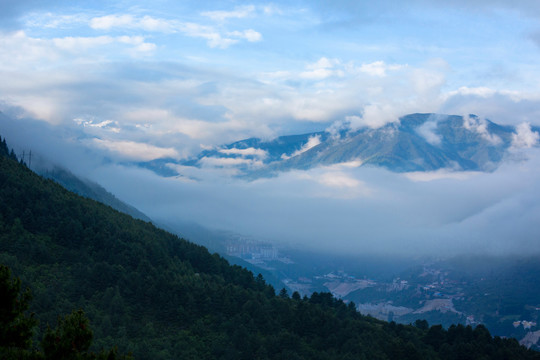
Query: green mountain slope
x=90 y=190
x=161 y=297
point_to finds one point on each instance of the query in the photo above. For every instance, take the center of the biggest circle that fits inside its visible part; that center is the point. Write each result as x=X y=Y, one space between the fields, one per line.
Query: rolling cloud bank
x=339 y=208
x=101 y=88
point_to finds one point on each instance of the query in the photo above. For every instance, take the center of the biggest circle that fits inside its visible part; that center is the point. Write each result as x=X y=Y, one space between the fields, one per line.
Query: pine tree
x=16 y=327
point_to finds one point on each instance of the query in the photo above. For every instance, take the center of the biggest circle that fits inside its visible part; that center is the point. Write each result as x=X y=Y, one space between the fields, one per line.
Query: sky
x=93 y=85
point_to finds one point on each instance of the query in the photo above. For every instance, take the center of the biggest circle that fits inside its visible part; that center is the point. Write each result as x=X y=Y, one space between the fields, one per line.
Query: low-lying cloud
x=357 y=210
x=214 y=73
x=342 y=208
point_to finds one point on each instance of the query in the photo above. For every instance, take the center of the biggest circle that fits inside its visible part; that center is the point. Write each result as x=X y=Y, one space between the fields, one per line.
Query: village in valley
x=431 y=291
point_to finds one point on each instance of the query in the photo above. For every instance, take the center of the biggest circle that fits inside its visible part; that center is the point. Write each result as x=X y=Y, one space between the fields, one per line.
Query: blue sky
x=204 y=73
x=92 y=85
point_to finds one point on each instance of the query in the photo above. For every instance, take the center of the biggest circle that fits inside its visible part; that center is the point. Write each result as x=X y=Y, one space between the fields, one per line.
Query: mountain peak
x=417 y=142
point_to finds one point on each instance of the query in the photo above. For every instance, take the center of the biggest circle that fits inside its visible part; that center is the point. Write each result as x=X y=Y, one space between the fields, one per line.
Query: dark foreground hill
x=161 y=297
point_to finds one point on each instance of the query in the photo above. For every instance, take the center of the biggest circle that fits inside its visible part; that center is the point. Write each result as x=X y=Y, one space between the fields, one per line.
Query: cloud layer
x=357 y=210
x=342 y=208
x=111 y=84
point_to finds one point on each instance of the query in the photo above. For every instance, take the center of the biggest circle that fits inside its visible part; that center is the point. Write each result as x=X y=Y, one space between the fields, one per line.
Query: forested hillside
x=89 y=189
x=161 y=297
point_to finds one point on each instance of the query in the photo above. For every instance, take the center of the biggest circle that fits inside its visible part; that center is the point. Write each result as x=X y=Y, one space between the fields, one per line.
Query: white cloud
x=18 y=49
x=128 y=21
x=215 y=37
x=378 y=68
x=375 y=116
x=82 y=43
x=150 y=23
x=480 y=126
x=311 y=143
x=217 y=99
x=54 y=21
x=134 y=150
x=507 y=106
x=524 y=137
x=272 y=9
x=337 y=182
x=238 y=13
x=250 y=35
x=427 y=80
x=319 y=74
x=145 y=48
x=322 y=69
x=108 y=22
x=427 y=131
x=365 y=209
x=245 y=152
x=441 y=174
x=380 y=92
x=347 y=165
x=338 y=179
x=229 y=162
x=28 y=54
x=323 y=63
x=105 y=124
x=273 y=103
x=483 y=92
x=76 y=44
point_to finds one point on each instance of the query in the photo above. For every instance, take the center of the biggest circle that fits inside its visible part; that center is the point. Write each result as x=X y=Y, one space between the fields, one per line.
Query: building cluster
x=527 y=325
x=250 y=249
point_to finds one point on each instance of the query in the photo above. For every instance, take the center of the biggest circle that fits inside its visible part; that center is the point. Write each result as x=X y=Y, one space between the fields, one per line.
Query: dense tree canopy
x=70 y=340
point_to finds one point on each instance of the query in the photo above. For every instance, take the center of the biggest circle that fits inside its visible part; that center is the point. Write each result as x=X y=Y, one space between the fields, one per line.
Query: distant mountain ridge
x=417 y=142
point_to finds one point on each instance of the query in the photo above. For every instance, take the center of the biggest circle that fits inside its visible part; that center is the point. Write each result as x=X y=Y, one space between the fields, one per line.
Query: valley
x=466 y=290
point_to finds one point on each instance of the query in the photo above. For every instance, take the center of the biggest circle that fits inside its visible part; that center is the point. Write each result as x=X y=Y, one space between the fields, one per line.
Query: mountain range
x=415 y=142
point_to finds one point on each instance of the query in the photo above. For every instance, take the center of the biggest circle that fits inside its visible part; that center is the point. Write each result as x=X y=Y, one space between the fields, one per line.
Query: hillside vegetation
x=161 y=297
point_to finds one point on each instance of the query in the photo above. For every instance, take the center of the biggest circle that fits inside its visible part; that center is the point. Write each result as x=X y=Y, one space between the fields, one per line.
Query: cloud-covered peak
x=437 y=145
